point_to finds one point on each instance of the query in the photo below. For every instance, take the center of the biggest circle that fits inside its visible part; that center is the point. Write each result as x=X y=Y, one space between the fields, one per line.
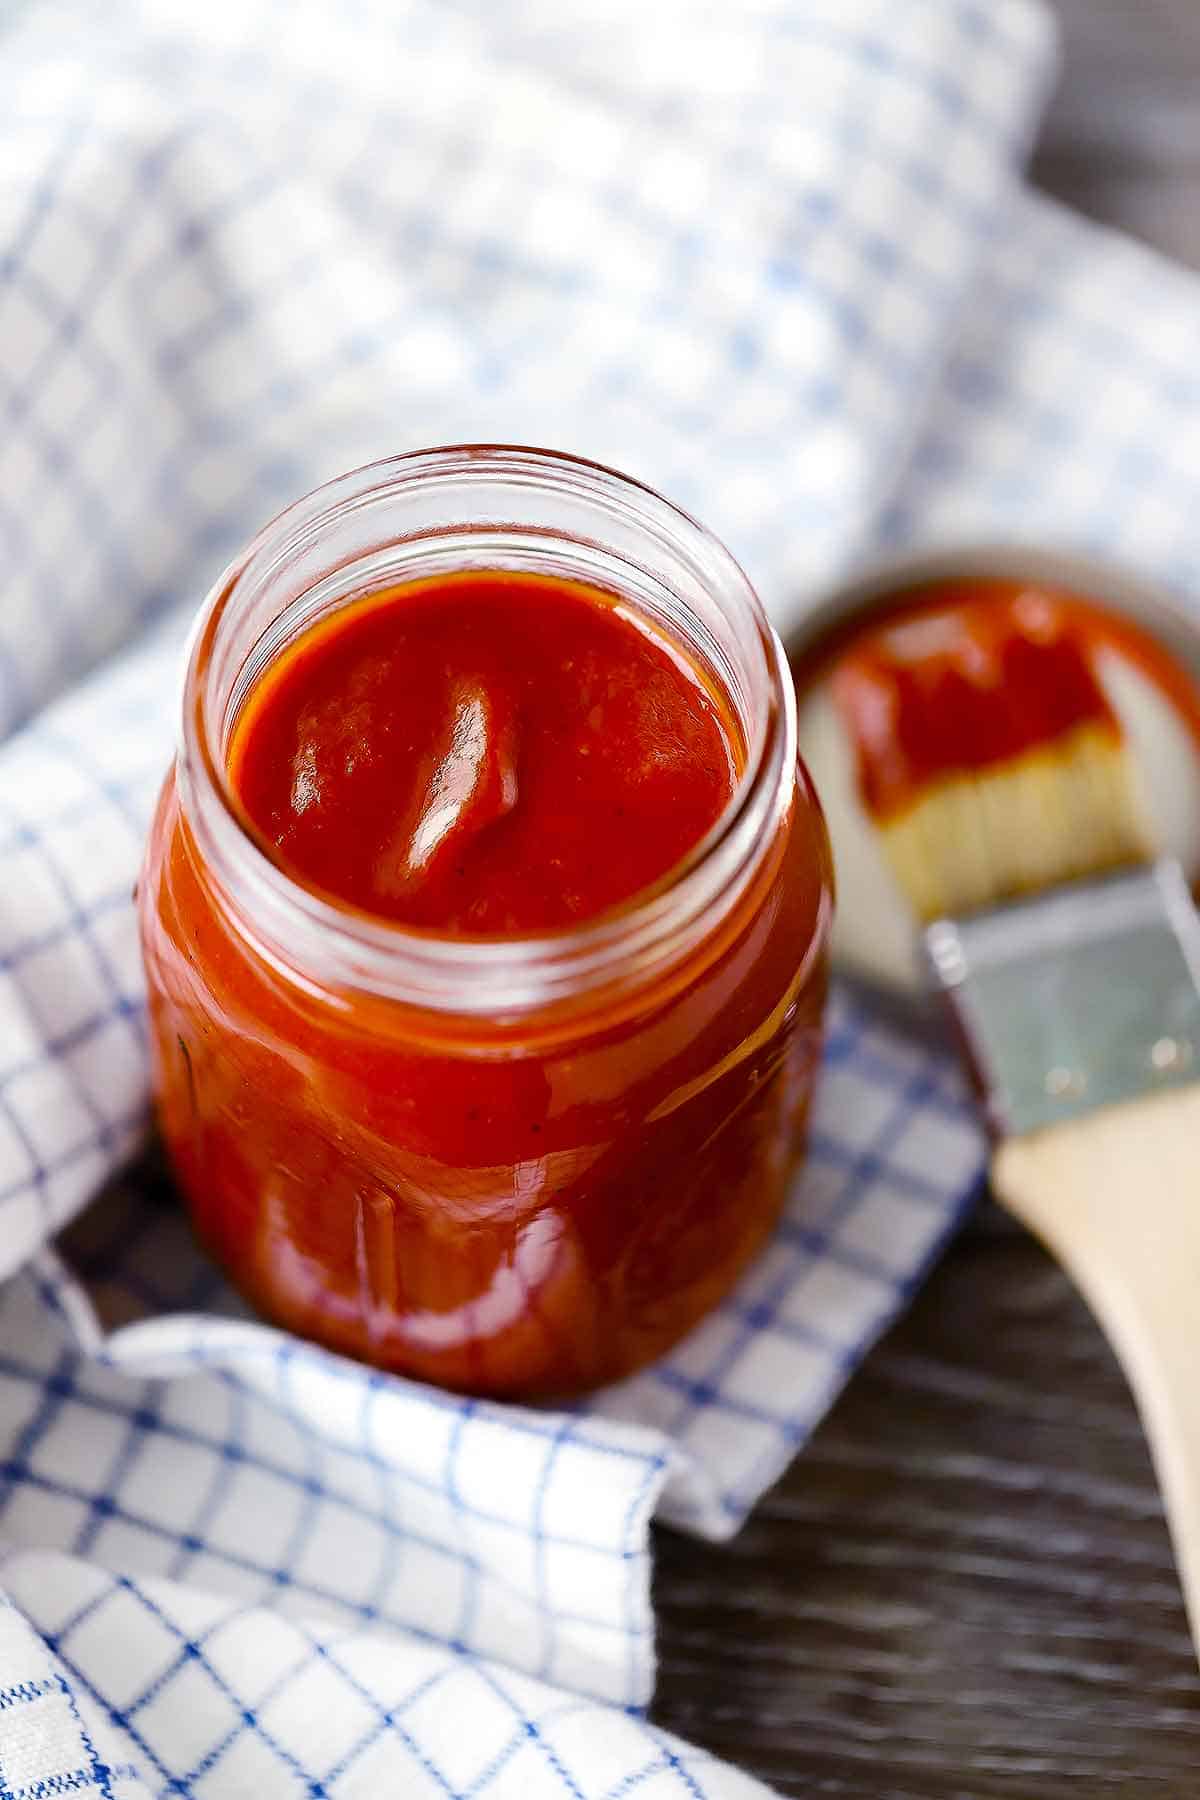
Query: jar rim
x=516 y=973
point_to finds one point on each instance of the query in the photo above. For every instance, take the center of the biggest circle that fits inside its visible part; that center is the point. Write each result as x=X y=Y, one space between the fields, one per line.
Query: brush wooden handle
x=1116 y=1196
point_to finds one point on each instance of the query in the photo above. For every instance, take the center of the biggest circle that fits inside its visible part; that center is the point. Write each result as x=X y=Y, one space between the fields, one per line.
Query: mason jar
x=519 y=1165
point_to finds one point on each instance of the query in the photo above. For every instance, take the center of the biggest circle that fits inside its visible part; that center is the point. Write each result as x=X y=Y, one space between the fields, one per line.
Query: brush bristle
x=1055 y=813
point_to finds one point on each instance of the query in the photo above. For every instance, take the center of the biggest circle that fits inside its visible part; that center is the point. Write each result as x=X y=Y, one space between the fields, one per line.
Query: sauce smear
x=484 y=753
x=973 y=680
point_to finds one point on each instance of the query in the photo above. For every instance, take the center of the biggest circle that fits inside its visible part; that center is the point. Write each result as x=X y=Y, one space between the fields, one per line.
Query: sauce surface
x=483 y=753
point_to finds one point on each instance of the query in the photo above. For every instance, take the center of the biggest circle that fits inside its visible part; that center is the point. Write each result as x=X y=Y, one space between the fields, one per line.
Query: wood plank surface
x=963 y=1588
x=1122 y=138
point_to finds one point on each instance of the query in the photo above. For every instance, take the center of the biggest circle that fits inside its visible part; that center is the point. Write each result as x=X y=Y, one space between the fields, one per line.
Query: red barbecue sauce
x=504 y=1205
x=483 y=754
x=964 y=675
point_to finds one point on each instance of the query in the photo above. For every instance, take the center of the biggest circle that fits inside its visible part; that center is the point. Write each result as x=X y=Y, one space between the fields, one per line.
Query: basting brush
x=978 y=745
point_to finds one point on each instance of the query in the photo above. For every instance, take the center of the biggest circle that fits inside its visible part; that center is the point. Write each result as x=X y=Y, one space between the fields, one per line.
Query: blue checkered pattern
x=716 y=246
x=1069 y=414
x=773 y=260
x=227 y=1700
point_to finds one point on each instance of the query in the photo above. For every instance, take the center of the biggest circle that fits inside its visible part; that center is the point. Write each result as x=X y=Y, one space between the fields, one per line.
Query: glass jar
x=513 y=1167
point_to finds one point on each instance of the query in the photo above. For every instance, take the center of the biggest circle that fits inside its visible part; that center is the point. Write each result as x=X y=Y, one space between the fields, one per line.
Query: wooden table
x=963 y=1587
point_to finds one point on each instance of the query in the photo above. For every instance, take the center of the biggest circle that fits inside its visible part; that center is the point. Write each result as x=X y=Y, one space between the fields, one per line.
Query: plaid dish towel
x=773 y=258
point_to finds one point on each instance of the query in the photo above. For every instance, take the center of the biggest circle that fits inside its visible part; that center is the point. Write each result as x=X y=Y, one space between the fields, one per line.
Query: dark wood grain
x=963 y=1588
x=964 y=1585
x=1122 y=138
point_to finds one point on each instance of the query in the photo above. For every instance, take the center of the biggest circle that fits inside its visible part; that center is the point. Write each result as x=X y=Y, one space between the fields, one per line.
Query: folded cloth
x=219 y=1699
x=718 y=247
x=772 y=259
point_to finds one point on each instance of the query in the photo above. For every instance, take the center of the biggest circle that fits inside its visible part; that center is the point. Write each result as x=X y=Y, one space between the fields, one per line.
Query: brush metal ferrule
x=1084 y=996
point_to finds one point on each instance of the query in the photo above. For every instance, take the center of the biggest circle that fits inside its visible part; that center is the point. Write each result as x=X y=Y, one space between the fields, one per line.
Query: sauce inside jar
x=494 y=1071
x=488 y=753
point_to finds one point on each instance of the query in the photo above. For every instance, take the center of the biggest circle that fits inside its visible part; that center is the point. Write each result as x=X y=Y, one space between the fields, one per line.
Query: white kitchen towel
x=770 y=257
x=245 y=249
x=165 y=1690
